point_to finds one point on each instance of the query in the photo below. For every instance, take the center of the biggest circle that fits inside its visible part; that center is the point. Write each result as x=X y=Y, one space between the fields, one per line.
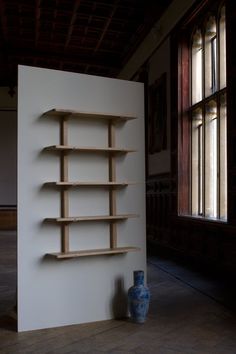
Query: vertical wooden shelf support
x=112 y=178
x=64 y=178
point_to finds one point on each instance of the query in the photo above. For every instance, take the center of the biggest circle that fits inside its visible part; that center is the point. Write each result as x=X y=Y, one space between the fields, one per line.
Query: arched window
x=208 y=118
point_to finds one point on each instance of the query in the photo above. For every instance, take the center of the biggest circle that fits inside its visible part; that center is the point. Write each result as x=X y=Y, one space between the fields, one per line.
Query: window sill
x=202 y=220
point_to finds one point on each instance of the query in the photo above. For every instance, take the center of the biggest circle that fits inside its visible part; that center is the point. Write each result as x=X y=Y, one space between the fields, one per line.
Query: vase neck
x=138 y=277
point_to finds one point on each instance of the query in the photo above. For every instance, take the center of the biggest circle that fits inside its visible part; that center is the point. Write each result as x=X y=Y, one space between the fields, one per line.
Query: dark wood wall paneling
x=8 y=219
x=206 y=243
x=158 y=209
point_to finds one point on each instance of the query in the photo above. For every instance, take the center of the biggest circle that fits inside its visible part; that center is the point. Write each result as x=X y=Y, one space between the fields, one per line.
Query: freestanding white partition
x=54 y=292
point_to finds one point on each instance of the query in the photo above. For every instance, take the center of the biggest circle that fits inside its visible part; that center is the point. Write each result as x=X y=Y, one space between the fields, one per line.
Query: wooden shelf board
x=87 y=149
x=87 y=184
x=93 y=252
x=91 y=218
x=87 y=115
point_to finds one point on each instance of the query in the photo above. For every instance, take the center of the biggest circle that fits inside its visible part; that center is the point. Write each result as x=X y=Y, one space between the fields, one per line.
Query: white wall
x=55 y=293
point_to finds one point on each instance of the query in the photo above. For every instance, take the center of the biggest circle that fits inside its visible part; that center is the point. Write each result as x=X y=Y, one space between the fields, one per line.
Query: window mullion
x=218 y=119
x=190 y=133
x=203 y=125
x=191 y=162
x=218 y=157
x=203 y=160
x=200 y=171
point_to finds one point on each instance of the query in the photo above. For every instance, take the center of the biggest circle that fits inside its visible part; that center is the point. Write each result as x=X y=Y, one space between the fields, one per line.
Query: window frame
x=185 y=108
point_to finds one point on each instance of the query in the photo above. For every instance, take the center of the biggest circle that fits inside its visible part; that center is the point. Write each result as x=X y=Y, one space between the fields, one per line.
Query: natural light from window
x=209 y=119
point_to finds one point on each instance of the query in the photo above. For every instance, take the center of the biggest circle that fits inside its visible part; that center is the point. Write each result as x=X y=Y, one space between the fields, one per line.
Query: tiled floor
x=183 y=319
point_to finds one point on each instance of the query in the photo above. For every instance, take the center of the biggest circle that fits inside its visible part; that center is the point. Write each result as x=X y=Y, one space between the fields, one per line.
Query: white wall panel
x=55 y=293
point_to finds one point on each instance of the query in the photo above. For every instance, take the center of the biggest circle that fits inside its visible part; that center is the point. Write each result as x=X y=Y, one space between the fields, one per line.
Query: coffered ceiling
x=85 y=36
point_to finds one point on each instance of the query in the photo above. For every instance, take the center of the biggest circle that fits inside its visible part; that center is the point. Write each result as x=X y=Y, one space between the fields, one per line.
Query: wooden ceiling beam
x=7 y=73
x=54 y=21
x=88 y=23
x=37 y=21
x=89 y=35
x=72 y=22
x=123 y=5
x=107 y=25
x=3 y=21
x=58 y=55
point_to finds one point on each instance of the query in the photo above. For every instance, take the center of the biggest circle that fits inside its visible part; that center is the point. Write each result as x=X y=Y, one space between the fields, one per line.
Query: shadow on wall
x=120 y=300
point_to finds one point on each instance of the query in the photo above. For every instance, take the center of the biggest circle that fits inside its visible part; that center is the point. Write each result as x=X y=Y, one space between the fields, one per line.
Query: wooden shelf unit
x=71 y=219
x=87 y=184
x=95 y=252
x=65 y=114
x=64 y=148
x=87 y=149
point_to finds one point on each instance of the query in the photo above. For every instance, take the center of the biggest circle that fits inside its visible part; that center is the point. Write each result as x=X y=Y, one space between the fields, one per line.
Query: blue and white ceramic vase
x=138 y=298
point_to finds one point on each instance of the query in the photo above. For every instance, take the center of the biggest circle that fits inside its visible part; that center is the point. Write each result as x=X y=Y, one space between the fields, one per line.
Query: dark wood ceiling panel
x=86 y=36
